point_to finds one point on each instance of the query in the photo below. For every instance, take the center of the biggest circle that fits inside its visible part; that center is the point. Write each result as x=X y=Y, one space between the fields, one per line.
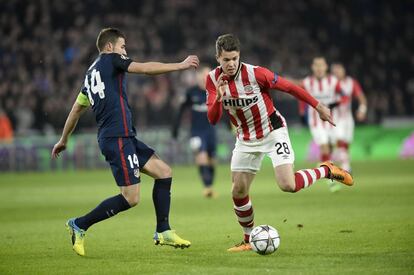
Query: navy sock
x=106 y=209
x=206 y=175
x=161 y=197
x=212 y=172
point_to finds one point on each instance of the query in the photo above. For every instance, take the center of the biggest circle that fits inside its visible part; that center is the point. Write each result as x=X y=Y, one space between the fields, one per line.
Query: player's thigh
x=249 y=162
x=144 y=152
x=282 y=151
x=282 y=156
x=244 y=166
x=122 y=157
x=157 y=168
x=151 y=164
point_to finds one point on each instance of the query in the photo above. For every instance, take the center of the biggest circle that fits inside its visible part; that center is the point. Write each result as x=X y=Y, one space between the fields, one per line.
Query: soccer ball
x=264 y=239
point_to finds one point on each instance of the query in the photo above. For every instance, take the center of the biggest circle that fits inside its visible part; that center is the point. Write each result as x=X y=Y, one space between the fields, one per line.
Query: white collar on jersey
x=238 y=70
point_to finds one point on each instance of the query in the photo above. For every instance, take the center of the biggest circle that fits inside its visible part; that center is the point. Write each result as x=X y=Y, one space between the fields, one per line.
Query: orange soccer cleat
x=338 y=174
x=243 y=246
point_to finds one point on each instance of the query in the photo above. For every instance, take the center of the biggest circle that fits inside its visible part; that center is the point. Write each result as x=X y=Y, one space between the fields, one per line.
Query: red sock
x=244 y=212
x=306 y=177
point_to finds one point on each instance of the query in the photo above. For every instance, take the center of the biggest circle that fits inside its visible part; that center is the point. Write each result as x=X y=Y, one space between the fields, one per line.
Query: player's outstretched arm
x=300 y=93
x=70 y=124
x=154 y=68
x=270 y=80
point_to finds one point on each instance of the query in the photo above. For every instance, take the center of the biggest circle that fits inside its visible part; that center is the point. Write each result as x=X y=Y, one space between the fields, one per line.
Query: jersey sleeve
x=214 y=108
x=82 y=99
x=265 y=78
x=357 y=89
x=121 y=62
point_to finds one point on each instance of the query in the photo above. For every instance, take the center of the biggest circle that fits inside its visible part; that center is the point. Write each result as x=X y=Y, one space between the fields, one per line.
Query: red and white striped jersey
x=350 y=88
x=247 y=100
x=326 y=90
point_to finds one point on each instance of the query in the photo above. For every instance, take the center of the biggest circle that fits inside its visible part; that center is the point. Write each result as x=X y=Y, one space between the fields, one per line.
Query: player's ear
x=109 y=47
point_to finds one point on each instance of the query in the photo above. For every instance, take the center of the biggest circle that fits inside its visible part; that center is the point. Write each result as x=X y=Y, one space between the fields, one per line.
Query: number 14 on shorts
x=133 y=159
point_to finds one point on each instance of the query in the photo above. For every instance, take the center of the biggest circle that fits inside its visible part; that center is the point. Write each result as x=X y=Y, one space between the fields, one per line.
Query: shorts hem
x=245 y=170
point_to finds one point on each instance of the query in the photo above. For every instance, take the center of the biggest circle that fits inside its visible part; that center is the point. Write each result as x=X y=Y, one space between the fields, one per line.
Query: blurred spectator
x=46 y=48
x=6 y=129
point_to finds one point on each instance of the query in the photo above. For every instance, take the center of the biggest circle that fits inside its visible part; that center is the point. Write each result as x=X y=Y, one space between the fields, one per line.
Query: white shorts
x=324 y=133
x=248 y=155
x=344 y=129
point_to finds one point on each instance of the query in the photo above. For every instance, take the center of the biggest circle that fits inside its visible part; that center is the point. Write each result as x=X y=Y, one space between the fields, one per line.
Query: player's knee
x=287 y=185
x=239 y=190
x=166 y=172
x=132 y=199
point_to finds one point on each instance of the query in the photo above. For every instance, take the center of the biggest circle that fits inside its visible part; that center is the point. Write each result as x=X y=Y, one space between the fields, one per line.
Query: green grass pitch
x=365 y=229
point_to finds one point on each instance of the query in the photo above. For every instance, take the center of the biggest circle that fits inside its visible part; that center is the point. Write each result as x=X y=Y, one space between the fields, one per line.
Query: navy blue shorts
x=204 y=141
x=126 y=156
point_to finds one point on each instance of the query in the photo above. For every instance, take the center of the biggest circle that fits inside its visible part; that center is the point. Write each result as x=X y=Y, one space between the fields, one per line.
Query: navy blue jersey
x=195 y=98
x=105 y=87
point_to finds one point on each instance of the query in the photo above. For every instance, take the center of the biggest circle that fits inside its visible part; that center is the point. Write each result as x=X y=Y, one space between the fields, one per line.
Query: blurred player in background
x=243 y=91
x=344 y=130
x=326 y=89
x=203 y=134
x=104 y=90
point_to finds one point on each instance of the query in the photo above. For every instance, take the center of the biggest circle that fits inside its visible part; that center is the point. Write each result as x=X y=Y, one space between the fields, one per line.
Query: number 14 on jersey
x=94 y=86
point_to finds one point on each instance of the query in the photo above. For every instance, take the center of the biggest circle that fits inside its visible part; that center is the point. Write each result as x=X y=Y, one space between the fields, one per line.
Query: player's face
x=338 y=70
x=119 y=46
x=229 y=62
x=319 y=67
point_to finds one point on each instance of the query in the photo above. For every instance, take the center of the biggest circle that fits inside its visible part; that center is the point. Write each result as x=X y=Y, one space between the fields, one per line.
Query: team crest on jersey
x=248 y=89
x=136 y=173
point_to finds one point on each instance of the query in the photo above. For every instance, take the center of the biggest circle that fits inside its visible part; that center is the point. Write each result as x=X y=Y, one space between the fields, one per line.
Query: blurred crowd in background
x=46 y=47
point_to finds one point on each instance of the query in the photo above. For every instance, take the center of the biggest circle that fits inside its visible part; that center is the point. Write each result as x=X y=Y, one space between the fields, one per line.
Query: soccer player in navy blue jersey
x=104 y=90
x=203 y=134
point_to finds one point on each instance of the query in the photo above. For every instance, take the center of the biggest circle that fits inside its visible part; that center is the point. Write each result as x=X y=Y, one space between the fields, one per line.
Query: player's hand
x=220 y=88
x=58 y=148
x=361 y=114
x=324 y=113
x=190 y=62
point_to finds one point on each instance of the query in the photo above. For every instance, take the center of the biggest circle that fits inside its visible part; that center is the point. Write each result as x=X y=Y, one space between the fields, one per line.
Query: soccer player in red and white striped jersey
x=326 y=89
x=345 y=122
x=243 y=90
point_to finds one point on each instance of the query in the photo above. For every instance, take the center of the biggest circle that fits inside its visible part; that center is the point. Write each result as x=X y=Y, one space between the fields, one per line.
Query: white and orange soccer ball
x=264 y=239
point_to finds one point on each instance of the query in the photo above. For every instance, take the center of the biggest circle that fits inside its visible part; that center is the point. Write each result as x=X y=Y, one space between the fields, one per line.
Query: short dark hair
x=108 y=35
x=227 y=42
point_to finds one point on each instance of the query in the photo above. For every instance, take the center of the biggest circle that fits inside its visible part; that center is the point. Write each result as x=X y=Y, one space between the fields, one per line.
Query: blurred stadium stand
x=46 y=46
